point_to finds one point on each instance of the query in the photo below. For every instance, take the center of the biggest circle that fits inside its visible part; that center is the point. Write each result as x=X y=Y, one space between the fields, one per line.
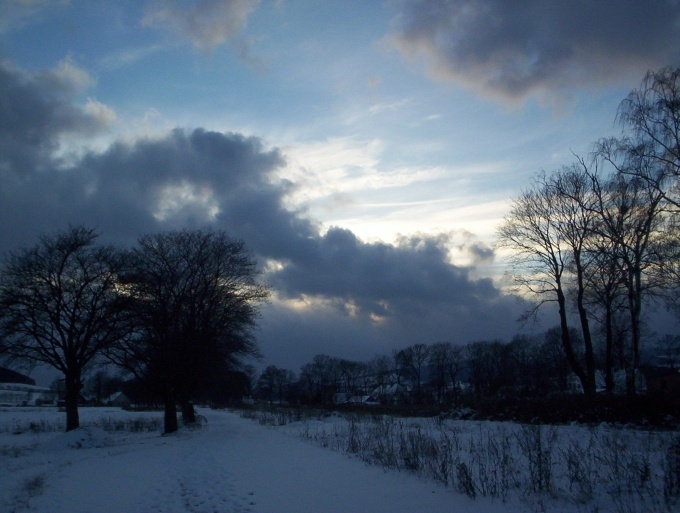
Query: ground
x=231 y=465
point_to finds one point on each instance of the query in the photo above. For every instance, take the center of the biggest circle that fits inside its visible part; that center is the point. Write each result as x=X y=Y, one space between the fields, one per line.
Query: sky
x=365 y=151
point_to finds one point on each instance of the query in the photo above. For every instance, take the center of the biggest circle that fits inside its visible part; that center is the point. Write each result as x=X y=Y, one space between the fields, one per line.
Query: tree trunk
x=188 y=412
x=591 y=387
x=609 y=352
x=585 y=330
x=588 y=387
x=72 y=394
x=170 y=415
x=635 y=308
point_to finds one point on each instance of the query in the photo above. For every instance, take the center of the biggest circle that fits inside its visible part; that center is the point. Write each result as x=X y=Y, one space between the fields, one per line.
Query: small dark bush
x=671 y=472
x=465 y=483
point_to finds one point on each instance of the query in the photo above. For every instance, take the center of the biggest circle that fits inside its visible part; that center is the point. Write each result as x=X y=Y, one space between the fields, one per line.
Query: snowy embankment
x=231 y=465
x=602 y=468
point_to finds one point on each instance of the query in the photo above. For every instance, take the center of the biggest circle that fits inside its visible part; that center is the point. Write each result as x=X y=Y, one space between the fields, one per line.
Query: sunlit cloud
x=68 y=75
x=103 y=113
x=342 y=166
x=186 y=200
x=380 y=107
x=205 y=24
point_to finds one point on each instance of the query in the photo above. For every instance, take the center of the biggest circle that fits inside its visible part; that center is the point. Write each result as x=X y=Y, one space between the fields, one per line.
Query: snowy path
x=232 y=466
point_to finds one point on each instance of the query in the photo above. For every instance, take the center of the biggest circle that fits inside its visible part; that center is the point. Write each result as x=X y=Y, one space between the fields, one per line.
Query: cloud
x=345 y=166
x=512 y=50
x=481 y=252
x=104 y=114
x=38 y=109
x=335 y=293
x=407 y=280
x=127 y=56
x=131 y=187
x=206 y=24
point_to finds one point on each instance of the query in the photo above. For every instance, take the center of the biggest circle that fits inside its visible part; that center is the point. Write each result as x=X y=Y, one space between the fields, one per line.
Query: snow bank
x=81 y=438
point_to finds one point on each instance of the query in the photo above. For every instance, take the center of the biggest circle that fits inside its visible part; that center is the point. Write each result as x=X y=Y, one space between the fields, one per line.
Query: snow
x=232 y=465
x=82 y=438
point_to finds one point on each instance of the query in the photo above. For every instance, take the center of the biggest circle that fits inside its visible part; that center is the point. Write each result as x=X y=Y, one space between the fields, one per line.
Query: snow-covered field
x=603 y=468
x=233 y=464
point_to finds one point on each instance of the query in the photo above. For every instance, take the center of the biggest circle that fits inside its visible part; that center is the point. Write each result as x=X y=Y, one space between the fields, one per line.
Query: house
x=341 y=398
x=574 y=385
x=366 y=400
x=661 y=380
x=391 y=394
x=118 y=399
x=641 y=376
x=344 y=398
x=19 y=390
x=10 y=376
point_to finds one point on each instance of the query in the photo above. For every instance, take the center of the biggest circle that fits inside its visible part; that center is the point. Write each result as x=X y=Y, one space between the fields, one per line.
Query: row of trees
x=176 y=311
x=600 y=237
x=447 y=374
x=427 y=373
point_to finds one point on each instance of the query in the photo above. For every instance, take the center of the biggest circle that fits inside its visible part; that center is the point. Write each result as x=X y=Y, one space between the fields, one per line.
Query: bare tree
x=60 y=306
x=380 y=369
x=412 y=359
x=446 y=361
x=576 y=215
x=101 y=385
x=631 y=218
x=650 y=149
x=274 y=382
x=670 y=269
x=309 y=381
x=523 y=360
x=668 y=348
x=605 y=298
x=322 y=376
x=546 y=233
x=399 y=365
x=350 y=373
x=488 y=366
x=552 y=359
x=194 y=303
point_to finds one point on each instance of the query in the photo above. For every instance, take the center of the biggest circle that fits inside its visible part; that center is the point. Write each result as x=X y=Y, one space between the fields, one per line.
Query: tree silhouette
x=193 y=303
x=547 y=232
x=59 y=306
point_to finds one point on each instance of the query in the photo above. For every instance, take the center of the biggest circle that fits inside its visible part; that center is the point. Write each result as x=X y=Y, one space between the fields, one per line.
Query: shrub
x=671 y=472
x=465 y=483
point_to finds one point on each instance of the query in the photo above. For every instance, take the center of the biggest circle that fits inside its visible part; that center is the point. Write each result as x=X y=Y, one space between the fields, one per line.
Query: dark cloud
x=181 y=179
x=375 y=275
x=517 y=49
x=481 y=253
x=399 y=294
x=361 y=298
x=35 y=111
x=291 y=336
